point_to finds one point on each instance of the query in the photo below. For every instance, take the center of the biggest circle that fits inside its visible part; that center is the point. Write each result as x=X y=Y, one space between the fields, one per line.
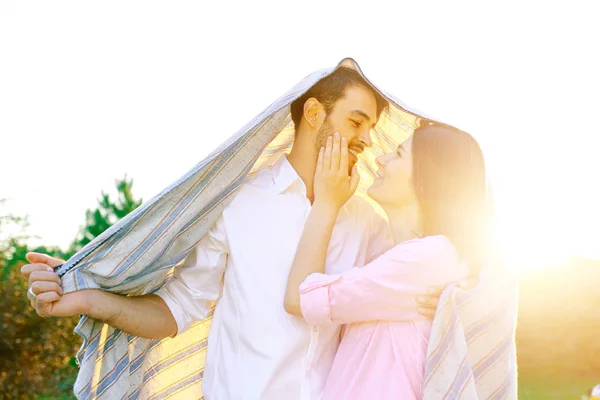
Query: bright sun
x=545 y=211
x=529 y=242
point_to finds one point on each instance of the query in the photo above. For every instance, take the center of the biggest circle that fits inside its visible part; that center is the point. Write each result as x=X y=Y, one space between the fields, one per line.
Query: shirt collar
x=285 y=176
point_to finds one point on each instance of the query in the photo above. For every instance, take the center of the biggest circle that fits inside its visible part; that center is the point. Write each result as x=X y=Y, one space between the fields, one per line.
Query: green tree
x=36 y=354
x=13 y=243
x=106 y=214
x=12 y=237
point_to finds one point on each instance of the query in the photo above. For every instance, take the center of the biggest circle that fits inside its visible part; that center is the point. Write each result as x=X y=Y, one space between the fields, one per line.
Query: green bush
x=36 y=354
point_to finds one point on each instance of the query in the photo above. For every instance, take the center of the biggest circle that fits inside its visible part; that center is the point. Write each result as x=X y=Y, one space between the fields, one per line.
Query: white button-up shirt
x=255 y=349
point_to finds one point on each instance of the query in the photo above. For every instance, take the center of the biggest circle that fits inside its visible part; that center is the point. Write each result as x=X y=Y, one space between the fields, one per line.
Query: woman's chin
x=379 y=193
x=372 y=191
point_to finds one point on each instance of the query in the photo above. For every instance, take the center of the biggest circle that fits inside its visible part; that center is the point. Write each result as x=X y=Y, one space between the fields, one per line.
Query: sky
x=90 y=90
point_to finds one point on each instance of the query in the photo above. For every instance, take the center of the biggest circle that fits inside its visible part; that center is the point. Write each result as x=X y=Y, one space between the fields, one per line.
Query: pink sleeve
x=314 y=298
x=385 y=289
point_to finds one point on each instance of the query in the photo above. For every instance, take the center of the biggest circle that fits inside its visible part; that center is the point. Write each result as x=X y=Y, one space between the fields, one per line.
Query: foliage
x=107 y=213
x=13 y=243
x=36 y=354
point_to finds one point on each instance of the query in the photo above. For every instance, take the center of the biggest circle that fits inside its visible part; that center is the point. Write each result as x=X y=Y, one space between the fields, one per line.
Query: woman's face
x=393 y=184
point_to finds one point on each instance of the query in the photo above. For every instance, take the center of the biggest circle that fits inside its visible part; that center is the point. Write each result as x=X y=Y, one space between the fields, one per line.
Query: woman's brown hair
x=449 y=180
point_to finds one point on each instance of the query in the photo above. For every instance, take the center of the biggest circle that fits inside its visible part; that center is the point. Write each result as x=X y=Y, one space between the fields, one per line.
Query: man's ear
x=313 y=113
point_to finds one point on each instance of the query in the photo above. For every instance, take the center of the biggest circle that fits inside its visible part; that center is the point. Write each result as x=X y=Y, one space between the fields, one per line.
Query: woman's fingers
x=344 y=156
x=327 y=159
x=333 y=183
x=354 y=179
x=335 y=158
x=468 y=284
x=436 y=291
x=335 y=152
x=320 y=160
x=427 y=312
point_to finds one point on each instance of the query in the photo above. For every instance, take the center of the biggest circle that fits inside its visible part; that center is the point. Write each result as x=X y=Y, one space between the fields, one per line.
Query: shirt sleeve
x=385 y=289
x=197 y=282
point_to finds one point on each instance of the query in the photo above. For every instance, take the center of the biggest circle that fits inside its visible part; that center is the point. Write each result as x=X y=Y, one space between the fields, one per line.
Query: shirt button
x=315 y=329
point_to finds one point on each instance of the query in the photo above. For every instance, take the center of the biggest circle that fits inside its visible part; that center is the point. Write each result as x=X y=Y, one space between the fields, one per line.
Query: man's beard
x=326 y=131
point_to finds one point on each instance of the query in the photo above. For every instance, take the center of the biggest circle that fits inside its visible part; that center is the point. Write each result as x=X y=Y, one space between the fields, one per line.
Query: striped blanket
x=472 y=351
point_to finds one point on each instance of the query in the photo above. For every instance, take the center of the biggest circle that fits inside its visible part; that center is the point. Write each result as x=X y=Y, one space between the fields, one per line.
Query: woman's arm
x=384 y=289
x=332 y=187
x=311 y=253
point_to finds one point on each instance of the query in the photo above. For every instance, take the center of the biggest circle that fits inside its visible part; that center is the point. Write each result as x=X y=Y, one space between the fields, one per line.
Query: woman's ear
x=313 y=111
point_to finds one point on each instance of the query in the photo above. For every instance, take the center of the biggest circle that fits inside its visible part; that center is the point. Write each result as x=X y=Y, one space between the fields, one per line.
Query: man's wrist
x=86 y=301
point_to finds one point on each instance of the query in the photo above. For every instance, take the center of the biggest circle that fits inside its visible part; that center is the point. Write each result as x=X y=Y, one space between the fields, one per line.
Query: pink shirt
x=383 y=350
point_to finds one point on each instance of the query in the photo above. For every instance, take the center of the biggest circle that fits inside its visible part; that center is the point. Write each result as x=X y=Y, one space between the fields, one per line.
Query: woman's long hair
x=449 y=180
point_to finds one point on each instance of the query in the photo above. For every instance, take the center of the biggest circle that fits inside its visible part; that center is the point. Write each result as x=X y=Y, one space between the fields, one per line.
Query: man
x=257 y=350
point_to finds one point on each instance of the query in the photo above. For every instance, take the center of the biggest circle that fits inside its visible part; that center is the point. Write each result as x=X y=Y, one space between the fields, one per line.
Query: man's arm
x=184 y=299
x=144 y=316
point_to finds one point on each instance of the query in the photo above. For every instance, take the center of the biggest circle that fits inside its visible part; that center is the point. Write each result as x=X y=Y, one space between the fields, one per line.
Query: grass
x=558 y=349
x=535 y=386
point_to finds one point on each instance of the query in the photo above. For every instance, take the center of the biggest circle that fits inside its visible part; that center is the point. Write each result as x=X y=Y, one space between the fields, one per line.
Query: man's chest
x=264 y=235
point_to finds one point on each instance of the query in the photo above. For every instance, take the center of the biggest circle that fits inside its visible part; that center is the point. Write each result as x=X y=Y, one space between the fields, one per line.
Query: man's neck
x=404 y=222
x=303 y=159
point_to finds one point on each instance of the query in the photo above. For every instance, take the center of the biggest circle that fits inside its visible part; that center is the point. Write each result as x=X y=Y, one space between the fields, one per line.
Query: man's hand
x=40 y=275
x=49 y=300
x=428 y=303
x=52 y=304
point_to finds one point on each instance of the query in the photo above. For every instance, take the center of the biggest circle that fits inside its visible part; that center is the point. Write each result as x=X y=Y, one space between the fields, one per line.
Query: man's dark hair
x=332 y=88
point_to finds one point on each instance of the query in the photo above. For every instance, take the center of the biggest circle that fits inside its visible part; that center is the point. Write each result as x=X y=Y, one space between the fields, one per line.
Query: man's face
x=353 y=116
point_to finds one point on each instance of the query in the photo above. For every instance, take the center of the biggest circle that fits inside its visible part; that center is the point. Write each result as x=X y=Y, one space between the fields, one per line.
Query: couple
x=287 y=244
x=432 y=188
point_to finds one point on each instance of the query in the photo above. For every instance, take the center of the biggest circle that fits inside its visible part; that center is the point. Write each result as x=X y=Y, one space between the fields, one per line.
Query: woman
x=433 y=190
